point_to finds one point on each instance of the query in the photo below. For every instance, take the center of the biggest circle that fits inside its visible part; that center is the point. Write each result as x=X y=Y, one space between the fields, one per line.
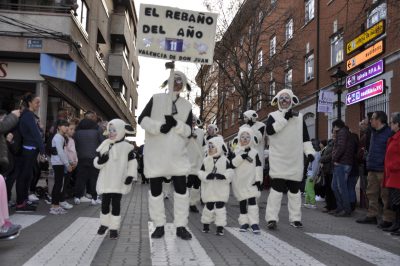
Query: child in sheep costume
x=118 y=168
x=288 y=140
x=246 y=183
x=196 y=157
x=250 y=118
x=167 y=121
x=215 y=175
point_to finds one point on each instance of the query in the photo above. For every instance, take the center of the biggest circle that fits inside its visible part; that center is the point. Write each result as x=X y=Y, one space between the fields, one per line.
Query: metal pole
x=339 y=105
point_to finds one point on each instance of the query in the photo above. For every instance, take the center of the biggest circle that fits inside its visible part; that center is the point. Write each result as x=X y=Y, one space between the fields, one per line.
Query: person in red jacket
x=392 y=172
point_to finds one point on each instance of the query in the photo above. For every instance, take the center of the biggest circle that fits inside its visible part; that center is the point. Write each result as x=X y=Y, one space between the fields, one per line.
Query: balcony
x=43 y=6
x=117 y=67
x=120 y=30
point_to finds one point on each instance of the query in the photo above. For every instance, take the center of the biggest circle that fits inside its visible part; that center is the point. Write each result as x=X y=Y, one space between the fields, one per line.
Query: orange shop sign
x=372 y=33
x=365 y=55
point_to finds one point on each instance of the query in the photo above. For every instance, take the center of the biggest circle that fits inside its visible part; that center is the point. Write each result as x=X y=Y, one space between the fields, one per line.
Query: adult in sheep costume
x=167 y=121
x=215 y=175
x=250 y=118
x=196 y=157
x=288 y=140
x=118 y=168
x=246 y=183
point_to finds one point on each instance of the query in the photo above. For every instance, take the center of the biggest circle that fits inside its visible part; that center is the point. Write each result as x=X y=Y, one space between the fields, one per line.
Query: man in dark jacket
x=87 y=138
x=342 y=158
x=327 y=173
x=375 y=166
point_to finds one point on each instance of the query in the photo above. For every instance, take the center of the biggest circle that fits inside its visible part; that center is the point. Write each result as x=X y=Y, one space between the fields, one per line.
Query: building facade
x=76 y=55
x=302 y=45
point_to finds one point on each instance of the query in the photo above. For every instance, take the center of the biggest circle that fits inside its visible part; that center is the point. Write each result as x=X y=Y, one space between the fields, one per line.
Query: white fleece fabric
x=243 y=219
x=105 y=219
x=115 y=222
x=286 y=147
x=181 y=209
x=114 y=172
x=220 y=216
x=246 y=173
x=253 y=214
x=157 y=210
x=273 y=205
x=196 y=151
x=166 y=154
x=260 y=147
x=294 y=206
x=207 y=216
x=194 y=196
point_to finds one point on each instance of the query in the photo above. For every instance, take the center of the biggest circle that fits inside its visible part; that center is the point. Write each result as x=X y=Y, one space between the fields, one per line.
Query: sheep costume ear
x=255 y=140
x=129 y=130
x=275 y=100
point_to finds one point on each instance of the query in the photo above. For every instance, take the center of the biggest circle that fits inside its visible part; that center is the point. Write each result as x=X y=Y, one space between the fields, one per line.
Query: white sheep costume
x=120 y=165
x=215 y=190
x=250 y=117
x=288 y=141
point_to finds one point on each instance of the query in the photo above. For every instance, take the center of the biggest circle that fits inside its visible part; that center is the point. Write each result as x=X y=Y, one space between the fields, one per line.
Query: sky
x=152 y=71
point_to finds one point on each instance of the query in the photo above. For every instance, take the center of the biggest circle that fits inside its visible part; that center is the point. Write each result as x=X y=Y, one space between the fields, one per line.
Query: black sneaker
x=206 y=228
x=193 y=209
x=244 y=228
x=32 y=203
x=158 y=233
x=271 y=225
x=397 y=233
x=25 y=208
x=296 y=224
x=367 y=220
x=393 y=228
x=183 y=233
x=220 y=231
x=113 y=234
x=255 y=228
x=102 y=230
x=384 y=225
x=342 y=214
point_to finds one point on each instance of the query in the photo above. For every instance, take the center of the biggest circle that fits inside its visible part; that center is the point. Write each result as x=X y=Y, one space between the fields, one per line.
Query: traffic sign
x=372 y=33
x=365 y=74
x=364 y=93
x=365 y=55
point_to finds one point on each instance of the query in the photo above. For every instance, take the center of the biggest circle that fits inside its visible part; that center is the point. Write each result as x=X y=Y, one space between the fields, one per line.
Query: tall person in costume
x=167 y=121
x=288 y=140
x=250 y=118
x=196 y=157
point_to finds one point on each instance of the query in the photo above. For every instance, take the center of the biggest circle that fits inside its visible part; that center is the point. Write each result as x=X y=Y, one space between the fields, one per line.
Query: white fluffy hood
x=275 y=100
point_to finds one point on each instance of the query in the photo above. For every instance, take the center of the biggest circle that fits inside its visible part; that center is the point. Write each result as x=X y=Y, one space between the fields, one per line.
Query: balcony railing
x=52 y=6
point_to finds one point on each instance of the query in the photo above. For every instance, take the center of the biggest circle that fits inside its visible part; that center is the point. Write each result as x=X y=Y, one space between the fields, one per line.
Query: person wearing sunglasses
x=167 y=121
x=288 y=141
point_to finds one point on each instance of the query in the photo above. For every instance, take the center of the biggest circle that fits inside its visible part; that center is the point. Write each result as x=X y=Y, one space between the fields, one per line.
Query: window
x=226 y=122
x=241 y=41
x=377 y=14
x=273 y=2
x=309 y=10
x=336 y=49
x=123 y=93
x=272 y=90
x=259 y=98
x=249 y=103
x=260 y=58
x=260 y=16
x=249 y=68
x=125 y=53
x=289 y=30
x=233 y=115
x=272 y=46
x=250 y=31
x=130 y=104
x=128 y=18
x=309 y=68
x=288 y=79
x=82 y=14
x=239 y=107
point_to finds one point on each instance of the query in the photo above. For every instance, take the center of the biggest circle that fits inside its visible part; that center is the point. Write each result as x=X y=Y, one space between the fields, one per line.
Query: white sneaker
x=57 y=211
x=306 y=205
x=85 y=199
x=88 y=196
x=95 y=202
x=318 y=198
x=33 y=197
x=77 y=201
x=312 y=206
x=66 y=205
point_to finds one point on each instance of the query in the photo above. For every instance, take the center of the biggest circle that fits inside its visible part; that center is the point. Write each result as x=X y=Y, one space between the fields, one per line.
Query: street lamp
x=338 y=78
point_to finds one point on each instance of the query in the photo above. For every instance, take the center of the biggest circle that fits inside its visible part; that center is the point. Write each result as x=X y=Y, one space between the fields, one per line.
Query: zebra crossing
x=78 y=244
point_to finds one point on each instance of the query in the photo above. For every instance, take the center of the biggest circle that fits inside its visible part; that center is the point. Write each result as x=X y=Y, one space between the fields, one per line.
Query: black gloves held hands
x=258 y=184
x=210 y=176
x=310 y=158
x=128 y=180
x=244 y=156
x=217 y=176
x=103 y=158
x=170 y=122
x=289 y=114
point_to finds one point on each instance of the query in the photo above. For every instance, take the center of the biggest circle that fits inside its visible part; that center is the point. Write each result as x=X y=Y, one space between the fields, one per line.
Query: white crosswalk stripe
x=76 y=245
x=360 y=249
x=273 y=250
x=25 y=220
x=171 y=250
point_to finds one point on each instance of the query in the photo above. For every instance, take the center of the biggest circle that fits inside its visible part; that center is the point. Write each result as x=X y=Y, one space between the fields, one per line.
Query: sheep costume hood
x=288 y=143
x=121 y=162
x=218 y=143
x=258 y=130
x=253 y=139
x=195 y=147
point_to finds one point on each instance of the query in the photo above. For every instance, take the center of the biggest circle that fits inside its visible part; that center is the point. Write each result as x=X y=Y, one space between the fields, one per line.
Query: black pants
x=193 y=182
x=12 y=176
x=113 y=200
x=156 y=185
x=35 y=176
x=28 y=159
x=330 y=199
x=243 y=204
x=86 y=172
x=283 y=185
x=218 y=205
x=57 y=192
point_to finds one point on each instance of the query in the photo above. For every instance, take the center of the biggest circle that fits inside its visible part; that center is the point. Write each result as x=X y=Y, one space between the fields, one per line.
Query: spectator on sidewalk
x=392 y=172
x=8 y=230
x=362 y=156
x=375 y=166
x=355 y=171
x=342 y=157
x=32 y=146
x=327 y=174
x=70 y=150
x=87 y=138
x=312 y=173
